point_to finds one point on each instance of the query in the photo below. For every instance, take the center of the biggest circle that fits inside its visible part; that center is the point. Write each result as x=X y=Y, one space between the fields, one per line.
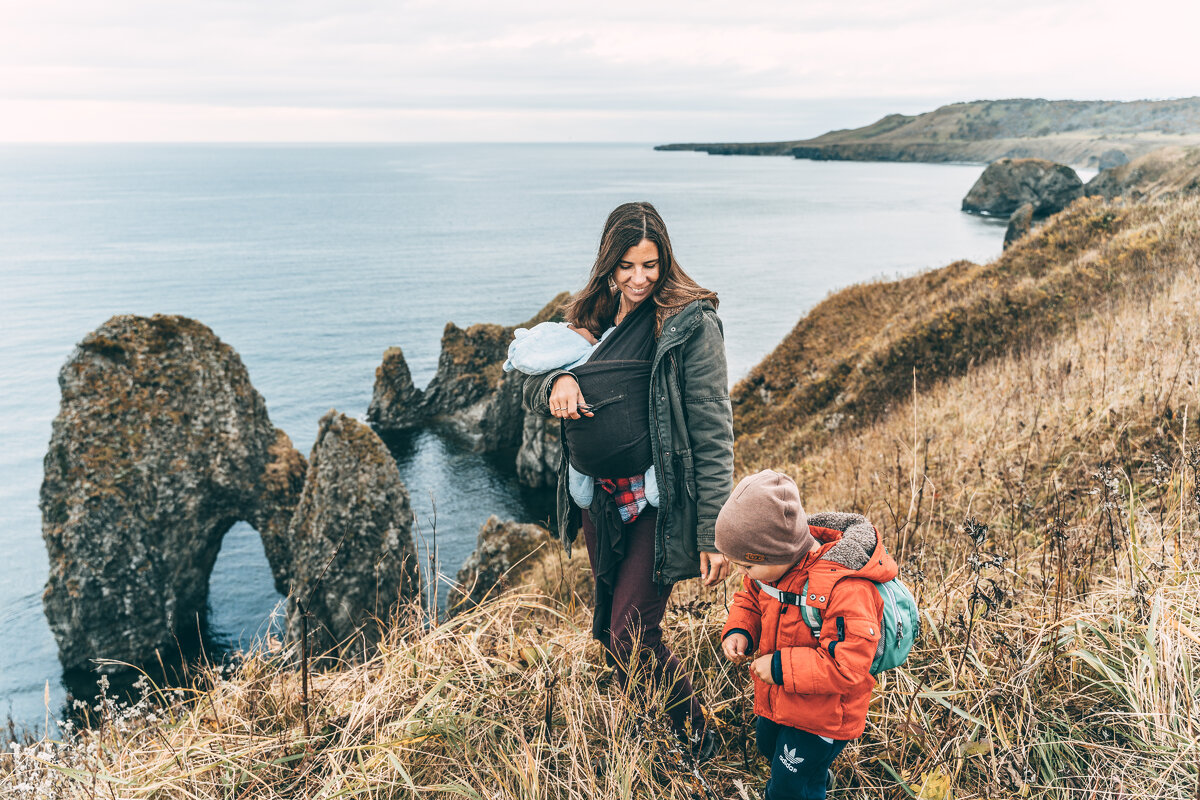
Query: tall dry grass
x=1044 y=506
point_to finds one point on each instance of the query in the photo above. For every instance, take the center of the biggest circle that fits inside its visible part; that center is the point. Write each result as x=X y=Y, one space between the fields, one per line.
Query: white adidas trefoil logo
x=789 y=758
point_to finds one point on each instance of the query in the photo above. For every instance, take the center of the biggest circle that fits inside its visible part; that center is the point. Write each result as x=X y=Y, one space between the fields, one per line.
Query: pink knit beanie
x=763 y=522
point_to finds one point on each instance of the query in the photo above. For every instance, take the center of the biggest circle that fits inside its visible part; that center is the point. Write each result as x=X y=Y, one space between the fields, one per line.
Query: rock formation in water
x=352 y=535
x=1009 y=183
x=470 y=393
x=396 y=402
x=502 y=548
x=1019 y=224
x=160 y=445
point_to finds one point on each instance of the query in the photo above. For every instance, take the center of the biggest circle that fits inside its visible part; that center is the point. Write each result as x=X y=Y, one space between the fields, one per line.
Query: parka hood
x=850 y=547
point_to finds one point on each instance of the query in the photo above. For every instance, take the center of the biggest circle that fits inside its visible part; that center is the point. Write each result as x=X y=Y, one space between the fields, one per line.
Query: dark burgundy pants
x=638 y=604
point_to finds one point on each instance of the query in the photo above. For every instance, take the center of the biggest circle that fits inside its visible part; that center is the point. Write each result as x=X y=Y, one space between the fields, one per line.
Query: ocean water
x=312 y=260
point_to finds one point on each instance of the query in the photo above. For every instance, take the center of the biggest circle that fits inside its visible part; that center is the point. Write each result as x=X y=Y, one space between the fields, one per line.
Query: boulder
x=1018 y=224
x=1009 y=183
x=1111 y=158
x=502 y=549
x=160 y=445
x=354 y=556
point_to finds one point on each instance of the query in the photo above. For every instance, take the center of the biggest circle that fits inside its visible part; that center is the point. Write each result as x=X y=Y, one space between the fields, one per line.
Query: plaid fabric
x=628 y=493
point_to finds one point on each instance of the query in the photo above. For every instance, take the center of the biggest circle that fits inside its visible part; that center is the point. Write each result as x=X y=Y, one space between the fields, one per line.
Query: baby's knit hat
x=763 y=522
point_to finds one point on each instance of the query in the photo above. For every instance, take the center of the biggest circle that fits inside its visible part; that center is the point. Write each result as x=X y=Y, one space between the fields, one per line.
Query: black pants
x=638 y=604
x=799 y=761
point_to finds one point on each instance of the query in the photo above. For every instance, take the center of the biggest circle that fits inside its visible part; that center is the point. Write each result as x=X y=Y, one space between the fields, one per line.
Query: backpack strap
x=810 y=614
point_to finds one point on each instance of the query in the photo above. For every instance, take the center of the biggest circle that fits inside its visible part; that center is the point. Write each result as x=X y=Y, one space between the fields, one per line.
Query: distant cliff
x=1095 y=134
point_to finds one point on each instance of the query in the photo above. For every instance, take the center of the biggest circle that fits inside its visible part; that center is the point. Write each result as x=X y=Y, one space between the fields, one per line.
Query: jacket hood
x=850 y=547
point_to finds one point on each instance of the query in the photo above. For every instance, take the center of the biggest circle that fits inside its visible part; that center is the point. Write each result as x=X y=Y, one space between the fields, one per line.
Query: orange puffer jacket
x=827 y=683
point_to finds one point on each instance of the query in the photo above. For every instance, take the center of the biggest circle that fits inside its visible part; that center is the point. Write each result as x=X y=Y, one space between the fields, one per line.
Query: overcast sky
x=498 y=70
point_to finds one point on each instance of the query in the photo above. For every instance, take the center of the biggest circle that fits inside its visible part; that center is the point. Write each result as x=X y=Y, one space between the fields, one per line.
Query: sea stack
x=1009 y=183
x=160 y=445
x=354 y=555
x=470 y=394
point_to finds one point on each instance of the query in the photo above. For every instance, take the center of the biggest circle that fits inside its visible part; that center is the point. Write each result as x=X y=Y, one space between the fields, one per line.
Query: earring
x=612 y=286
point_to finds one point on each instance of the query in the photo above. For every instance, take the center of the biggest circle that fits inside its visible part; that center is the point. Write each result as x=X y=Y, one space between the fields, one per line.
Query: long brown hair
x=595 y=306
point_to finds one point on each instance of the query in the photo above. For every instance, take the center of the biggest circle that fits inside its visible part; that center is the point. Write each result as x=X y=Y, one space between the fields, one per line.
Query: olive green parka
x=691 y=422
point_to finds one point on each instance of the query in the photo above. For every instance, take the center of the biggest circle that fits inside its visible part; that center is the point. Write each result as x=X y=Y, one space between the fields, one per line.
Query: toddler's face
x=767 y=573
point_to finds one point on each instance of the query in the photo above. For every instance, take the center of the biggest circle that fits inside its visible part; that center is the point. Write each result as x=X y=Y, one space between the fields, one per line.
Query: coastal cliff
x=1040 y=494
x=855 y=355
x=1092 y=134
x=1169 y=172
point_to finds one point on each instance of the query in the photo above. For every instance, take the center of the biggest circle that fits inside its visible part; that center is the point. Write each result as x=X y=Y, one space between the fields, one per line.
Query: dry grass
x=1044 y=505
x=851 y=358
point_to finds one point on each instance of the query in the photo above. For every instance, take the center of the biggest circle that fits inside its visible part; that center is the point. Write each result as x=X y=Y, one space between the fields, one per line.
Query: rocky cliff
x=160 y=445
x=352 y=533
x=1080 y=133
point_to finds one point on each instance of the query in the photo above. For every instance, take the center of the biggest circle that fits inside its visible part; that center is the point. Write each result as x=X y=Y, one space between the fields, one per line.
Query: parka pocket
x=687 y=472
x=858 y=640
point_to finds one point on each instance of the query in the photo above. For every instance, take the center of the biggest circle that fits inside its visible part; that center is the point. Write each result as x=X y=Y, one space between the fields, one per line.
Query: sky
x=518 y=70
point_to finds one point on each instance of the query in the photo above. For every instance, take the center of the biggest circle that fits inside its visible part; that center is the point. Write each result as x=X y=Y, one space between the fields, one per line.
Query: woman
x=647 y=414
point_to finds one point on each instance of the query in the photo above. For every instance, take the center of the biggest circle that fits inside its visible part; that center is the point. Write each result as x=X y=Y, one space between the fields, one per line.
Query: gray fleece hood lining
x=858 y=541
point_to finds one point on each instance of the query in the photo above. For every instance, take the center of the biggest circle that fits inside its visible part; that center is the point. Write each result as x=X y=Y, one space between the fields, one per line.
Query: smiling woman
x=647 y=445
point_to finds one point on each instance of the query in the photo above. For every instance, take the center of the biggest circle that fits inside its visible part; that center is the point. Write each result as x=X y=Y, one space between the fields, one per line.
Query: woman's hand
x=566 y=400
x=761 y=667
x=714 y=568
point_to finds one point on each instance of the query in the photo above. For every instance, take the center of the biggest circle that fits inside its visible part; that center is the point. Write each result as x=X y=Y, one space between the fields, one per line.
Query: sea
x=311 y=260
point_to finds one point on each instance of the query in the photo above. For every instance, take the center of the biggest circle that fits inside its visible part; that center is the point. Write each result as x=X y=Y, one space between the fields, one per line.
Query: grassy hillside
x=1167 y=172
x=855 y=354
x=1037 y=482
x=1082 y=133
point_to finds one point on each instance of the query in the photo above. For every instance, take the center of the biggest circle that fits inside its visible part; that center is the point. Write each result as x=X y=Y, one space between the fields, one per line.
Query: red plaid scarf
x=628 y=493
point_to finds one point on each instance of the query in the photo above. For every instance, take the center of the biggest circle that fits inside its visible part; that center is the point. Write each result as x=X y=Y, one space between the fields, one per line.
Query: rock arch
x=161 y=444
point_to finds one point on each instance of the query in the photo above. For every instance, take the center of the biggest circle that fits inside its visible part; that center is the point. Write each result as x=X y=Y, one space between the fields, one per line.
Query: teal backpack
x=901 y=620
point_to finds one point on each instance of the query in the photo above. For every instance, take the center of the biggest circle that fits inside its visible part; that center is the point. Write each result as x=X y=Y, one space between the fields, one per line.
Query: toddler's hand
x=761 y=667
x=735 y=646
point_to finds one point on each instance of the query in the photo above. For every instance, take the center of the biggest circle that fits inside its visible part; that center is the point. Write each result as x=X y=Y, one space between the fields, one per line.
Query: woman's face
x=637 y=273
